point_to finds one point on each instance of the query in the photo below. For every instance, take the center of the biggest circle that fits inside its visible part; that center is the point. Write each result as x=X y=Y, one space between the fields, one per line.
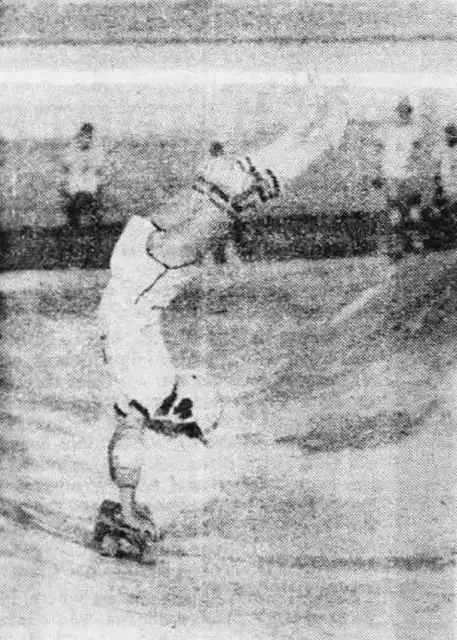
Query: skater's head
x=450 y=132
x=404 y=110
x=85 y=135
x=216 y=149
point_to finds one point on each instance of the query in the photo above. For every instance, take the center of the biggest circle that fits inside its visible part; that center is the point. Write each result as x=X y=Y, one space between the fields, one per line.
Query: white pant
x=139 y=364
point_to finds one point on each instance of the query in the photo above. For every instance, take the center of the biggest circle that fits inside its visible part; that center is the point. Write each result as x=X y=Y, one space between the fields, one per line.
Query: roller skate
x=116 y=538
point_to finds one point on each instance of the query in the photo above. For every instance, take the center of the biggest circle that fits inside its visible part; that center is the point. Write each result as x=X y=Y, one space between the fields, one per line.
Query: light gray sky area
x=205 y=20
x=289 y=3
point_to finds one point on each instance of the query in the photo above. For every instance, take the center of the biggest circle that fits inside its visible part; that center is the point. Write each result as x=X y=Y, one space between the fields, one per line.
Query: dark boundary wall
x=57 y=247
x=271 y=238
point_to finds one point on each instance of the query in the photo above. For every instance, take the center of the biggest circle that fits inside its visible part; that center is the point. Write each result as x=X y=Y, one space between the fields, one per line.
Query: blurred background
x=161 y=82
x=325 y=506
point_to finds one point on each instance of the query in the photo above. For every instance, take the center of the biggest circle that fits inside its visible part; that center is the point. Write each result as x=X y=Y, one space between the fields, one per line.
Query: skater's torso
x=139 y=284
x=140 y=287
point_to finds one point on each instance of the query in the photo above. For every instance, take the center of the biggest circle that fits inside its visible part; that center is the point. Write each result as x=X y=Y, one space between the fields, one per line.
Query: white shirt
x=130 y=312
x=397 y=144
x=138 y=281
x=84 y=168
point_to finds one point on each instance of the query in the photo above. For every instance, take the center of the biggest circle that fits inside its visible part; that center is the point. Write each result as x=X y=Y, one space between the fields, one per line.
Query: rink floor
x=324 y=506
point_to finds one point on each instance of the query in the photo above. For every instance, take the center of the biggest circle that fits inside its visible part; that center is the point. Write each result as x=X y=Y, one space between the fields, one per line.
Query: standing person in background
x=224 y=249
x=395 y=176
x=440 y=217
x=82 y=186
x=446 y=156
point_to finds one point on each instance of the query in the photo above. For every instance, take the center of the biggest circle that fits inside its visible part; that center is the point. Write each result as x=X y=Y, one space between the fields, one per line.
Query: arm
x=252 y=181
x=378 y=145
x=186 y=241
x=260 y=176
x=290 y=155
x=102 y=164
x=68 y=158
x=65 y=173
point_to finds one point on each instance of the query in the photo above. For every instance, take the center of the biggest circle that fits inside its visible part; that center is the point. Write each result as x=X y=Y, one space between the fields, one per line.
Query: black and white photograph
x=228 y=319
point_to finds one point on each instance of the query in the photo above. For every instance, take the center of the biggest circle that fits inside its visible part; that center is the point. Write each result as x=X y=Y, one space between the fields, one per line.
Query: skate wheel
x=149 y=555
x=129 y=548
x=109 y=546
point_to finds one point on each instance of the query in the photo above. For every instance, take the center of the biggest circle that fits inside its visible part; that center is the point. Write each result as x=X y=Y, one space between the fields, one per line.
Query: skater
x=82 y=187
x=151 y=261
x=148 y=266
x=395 y=177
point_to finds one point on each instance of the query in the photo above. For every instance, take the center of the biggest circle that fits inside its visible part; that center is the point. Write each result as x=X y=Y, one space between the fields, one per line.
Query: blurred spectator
x=446 y=156
x=215 y=168
x=217 y=165
x=398 y=142
x=83 y=183
x=440 y=218
x=216 y=160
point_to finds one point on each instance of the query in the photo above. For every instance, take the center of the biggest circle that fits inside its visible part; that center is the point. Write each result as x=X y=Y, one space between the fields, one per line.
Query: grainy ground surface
x=325 y=506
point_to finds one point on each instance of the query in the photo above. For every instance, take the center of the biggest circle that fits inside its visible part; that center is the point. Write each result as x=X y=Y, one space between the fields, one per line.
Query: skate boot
x=115 y=537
